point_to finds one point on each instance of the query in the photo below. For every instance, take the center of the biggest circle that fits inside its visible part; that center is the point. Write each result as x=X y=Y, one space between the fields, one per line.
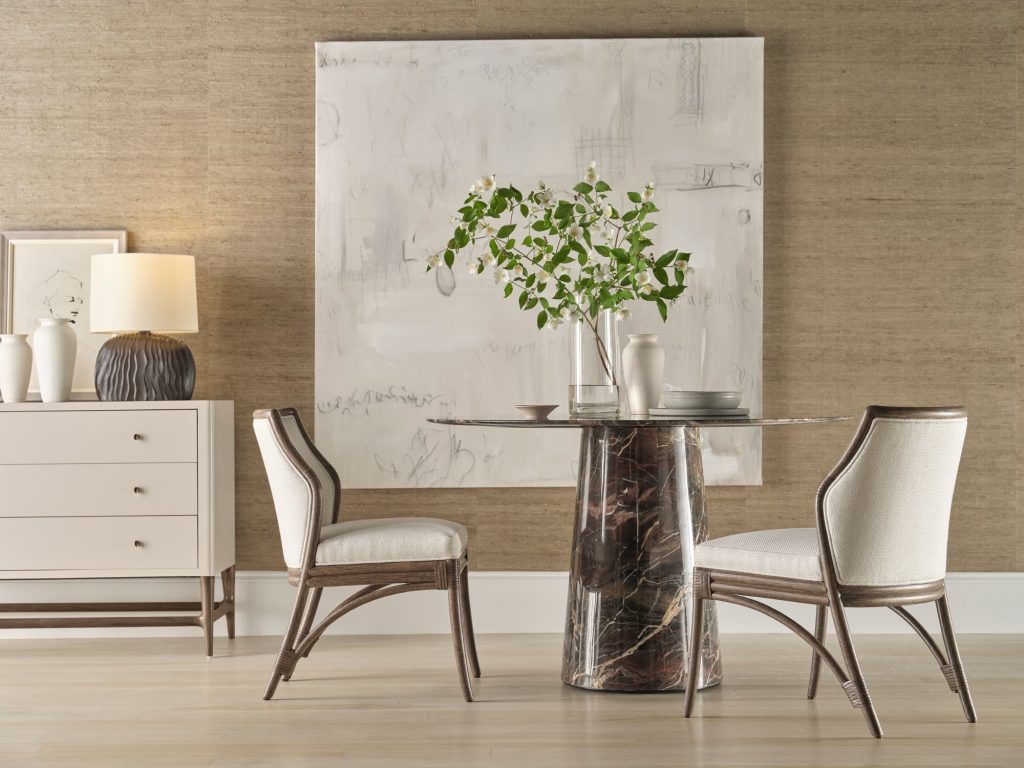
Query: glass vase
x=594 y=366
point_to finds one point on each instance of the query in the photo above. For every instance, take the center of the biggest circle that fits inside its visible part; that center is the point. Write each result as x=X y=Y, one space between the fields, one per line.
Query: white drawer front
x=97 y=543
x=90 y=490
x=98 y=437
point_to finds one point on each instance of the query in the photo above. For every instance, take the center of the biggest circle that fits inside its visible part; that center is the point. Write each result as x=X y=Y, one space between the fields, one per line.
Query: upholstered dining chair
x=389 y=556
x=882 y=525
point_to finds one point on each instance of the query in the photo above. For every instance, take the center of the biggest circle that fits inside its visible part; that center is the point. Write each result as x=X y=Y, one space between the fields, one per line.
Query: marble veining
x=640 y=509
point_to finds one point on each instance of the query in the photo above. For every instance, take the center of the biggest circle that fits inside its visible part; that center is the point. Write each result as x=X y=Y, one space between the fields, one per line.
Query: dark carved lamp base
x=145 y=366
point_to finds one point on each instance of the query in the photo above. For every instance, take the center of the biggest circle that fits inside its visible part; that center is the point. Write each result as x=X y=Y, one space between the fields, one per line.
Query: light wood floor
x=395 y=701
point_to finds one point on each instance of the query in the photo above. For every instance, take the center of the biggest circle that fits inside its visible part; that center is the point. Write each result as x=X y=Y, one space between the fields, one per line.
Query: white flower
x=561 y=270
x=680 y=265
x=554 y=322
x=487 y=259
x=648 y=192
x=643 y=278
x=544 y=197
x=566 y=313
x=501 y=276
x=624 y=314
x=591 y=176
x=487 y=183
x=518 y=270
x=646 y=290
x=434 y=261
x=575 y=232
x=475 y=189
x=473 y=267
x=543 y=276
x=490 y=231
x=607 y=211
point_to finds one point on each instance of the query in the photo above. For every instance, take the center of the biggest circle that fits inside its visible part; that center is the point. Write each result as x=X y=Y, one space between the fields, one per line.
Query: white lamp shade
x=143 y=292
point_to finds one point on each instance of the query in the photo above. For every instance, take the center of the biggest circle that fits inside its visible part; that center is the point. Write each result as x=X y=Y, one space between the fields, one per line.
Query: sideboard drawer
x=98 y=437
x=97 y=543
x=96 y=490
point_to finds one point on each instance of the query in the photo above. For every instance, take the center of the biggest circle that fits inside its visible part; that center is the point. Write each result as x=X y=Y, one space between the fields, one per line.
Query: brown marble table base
x=640 y=505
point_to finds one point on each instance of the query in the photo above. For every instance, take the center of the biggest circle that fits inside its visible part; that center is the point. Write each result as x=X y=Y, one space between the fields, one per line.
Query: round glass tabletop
x=636 y=422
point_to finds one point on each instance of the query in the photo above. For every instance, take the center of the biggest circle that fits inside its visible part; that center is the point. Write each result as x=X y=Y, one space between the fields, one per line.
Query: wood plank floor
x=395 y=701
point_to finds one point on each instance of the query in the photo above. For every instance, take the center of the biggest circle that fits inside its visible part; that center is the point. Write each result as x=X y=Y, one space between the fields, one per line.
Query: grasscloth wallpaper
x=893 y=262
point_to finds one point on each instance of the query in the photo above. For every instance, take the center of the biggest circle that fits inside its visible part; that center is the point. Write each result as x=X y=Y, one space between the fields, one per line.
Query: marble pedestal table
x=640 y=511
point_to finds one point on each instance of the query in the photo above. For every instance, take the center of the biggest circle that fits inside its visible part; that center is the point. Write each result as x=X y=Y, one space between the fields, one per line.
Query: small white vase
x=15 y=367
x=643 y=370
x=55 y=346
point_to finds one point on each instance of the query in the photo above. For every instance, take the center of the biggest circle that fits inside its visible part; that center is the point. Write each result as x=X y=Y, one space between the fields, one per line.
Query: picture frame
x=45 y=273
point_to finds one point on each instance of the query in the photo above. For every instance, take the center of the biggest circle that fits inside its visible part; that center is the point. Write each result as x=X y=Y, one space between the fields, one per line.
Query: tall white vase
x=15 y=367
x=643 y=369
x=55 y=346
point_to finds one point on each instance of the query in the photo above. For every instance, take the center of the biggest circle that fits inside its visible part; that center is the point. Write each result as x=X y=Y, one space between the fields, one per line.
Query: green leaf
x=602 y=187
x=542 y=318
x=583 y=188
x=449 y=259
x=670 y=292
x=541 y=226
x=531 y=303
x=522 y=299
x=506 y=230
x=508 y=289
x=604 y=250
x=634 y=197
x=648 y=226
x=665 y=259
x=662 y=310
x=629 y=215
x=494 y=247
x=524 y=210
x=516 y=194
x=661 y=276
x=575 y=245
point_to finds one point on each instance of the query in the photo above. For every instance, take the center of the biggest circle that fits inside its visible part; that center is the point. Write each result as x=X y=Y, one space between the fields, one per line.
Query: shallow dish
x=699 y=399
x=538 y=412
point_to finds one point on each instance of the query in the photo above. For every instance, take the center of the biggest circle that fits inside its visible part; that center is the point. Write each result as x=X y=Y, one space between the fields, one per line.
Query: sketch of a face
x=63 y=296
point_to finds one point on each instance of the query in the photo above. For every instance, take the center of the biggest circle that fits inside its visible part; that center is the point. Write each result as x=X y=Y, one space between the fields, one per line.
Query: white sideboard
x=119 y=490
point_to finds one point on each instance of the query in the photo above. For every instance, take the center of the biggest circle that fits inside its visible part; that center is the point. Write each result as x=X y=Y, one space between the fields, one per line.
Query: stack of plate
x=697 y=403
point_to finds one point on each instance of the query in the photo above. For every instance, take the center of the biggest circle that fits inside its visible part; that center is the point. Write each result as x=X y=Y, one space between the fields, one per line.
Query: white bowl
x=698 y=399
x=538 y=412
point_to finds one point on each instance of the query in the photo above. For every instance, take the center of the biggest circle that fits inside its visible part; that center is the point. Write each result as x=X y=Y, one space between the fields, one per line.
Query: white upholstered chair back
x=294 y=469
x=885 y=508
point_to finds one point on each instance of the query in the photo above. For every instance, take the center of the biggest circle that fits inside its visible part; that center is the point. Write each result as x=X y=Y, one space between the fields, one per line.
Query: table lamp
x=140 y=297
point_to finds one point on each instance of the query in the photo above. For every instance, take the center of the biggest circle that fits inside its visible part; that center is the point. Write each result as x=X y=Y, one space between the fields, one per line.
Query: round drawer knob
x=138 y=544
x=136 y=436
x=136 y=489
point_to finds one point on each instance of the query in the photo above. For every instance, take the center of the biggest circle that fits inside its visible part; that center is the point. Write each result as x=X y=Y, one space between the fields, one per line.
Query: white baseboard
x=503 y=602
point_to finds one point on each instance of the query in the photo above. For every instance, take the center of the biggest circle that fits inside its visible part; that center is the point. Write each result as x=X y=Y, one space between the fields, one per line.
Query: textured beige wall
x=892 y=238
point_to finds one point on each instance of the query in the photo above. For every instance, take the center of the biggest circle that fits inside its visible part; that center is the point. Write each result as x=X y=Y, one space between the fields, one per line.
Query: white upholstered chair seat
x=389 y=540
x=790 y=553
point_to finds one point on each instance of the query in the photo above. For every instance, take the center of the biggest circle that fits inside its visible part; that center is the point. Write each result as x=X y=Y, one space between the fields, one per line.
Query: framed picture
x=46 y=274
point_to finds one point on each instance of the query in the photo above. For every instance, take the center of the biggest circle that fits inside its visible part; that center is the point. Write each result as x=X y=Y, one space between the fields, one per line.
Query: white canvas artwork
x=405 y=128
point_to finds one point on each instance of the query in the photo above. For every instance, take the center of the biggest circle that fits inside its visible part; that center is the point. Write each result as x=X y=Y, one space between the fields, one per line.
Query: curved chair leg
x=856 y=687
x=458 y=632
x=954 y=671
x=312 y=603
x=469 y=637
x=286 y=658
x=820 y=628
x=696 y=638
x=307 y=621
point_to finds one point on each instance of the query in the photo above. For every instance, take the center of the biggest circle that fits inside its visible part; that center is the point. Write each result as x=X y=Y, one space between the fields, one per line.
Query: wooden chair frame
x=381 y=579
x=828 y=595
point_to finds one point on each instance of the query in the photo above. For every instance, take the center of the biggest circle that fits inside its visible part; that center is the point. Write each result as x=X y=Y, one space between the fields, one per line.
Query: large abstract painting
x=405 y=128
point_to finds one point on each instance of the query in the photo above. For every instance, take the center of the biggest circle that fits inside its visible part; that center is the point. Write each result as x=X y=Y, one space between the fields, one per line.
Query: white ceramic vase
x=15 y=367
x=643 y=371
x=55 y=346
